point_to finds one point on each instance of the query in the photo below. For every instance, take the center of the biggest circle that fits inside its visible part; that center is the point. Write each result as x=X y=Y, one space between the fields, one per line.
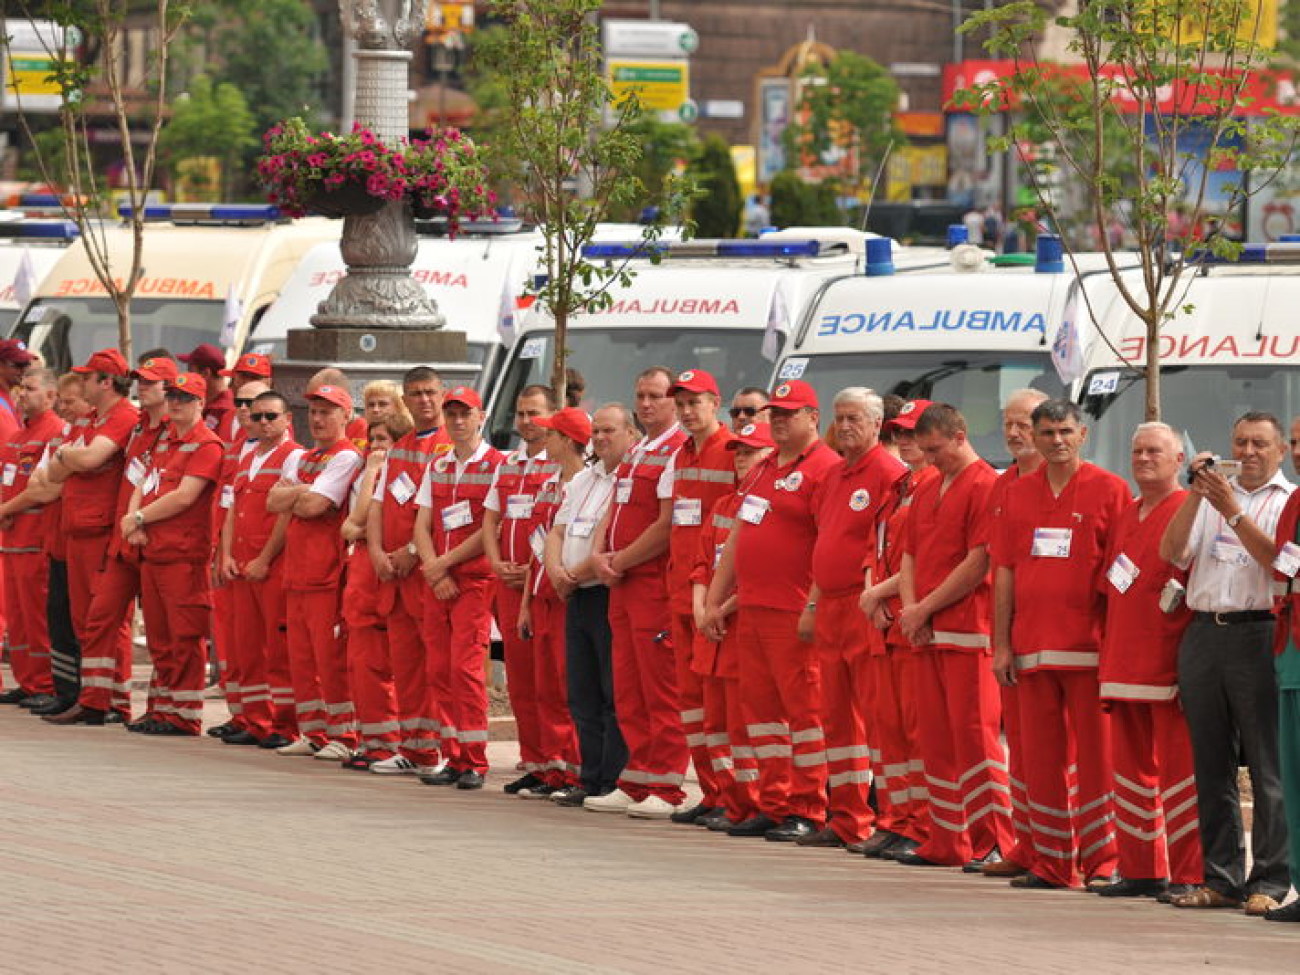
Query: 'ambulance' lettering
x=946 y=319
x=182 y=287
x=674 y=306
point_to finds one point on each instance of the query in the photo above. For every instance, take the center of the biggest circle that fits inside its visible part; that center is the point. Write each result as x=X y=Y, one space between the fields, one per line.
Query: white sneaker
x=397 y=765
x=652 y=807
x=334 y=751
x=300 y=747
x=616 y=802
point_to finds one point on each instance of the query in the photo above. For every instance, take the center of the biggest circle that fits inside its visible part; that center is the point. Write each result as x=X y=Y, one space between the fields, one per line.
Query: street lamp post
x=377 y=291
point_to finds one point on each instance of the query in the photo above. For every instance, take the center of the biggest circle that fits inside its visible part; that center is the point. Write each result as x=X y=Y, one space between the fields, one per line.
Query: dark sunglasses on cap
x=265 y=417
x=239 y=401
x=179 y=396
x=738 y=411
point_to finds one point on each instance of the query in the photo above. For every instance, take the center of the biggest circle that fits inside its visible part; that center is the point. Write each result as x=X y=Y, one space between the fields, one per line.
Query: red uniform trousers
x=690 y=702
x=557 y=740
x=841 y=640
x=318 y=665
x=730 y=755
x=108 y=669
x=961 y=745
x=225 y=631
x=1155 y=792
x=520 y=669
x=1069 y=729
x=401 y=603
x=258 y=659
x=1022 y=850
x=26 y=587
x=177 y=602
x=369 y=670
x=780 y=693
x=645 y=686
x=892 y=730
x=458 y=632
x=111 y=609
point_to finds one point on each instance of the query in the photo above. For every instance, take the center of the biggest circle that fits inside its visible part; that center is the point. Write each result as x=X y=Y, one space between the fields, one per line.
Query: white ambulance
x=201 y=264
x=40 y=243
x=1234 y=347
x=966 y=337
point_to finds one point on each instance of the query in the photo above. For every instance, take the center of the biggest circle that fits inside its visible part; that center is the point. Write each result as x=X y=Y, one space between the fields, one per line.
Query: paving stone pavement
x=120 y=853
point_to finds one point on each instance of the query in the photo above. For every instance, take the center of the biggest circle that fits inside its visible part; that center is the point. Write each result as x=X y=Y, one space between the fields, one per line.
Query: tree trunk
x=123 y=306
x=1153 y=369
x=559 y=361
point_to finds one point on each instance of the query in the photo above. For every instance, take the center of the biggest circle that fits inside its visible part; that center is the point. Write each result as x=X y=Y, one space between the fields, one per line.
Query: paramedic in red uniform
x=507 y=519
x=252 y=559
x=14 y=359
x=315 y=493
x=944 y=585
x=768 y=562
x=1018 y=435
x=22 y=539
x=1048 y=618
x=389 y=534
x=458 y=611
x=847 y=512
x=1151 y=748
x=219 y=410
x=249 y=367
x=169 y=517
x=90 y=467
x=702 y=472
x=630 y=557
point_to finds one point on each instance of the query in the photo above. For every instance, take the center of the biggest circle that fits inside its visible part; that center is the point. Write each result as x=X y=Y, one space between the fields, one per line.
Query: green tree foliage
x=210 y=120
x=796 y=203
x=717 y=210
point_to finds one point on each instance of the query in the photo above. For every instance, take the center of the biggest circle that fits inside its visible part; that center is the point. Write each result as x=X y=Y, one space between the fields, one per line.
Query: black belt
x=1228 y=619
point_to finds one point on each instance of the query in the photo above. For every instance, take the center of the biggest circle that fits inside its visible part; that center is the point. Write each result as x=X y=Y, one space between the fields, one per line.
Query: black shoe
x=910 y=858
x=825 y=837
x=529 y=781
x=899 y=847
x=1134 y=888
x=470 y=780
x=874 y=845
x=792 y=830
x=114 y=717
x=1031 y=881
x=570 y=797
x=1174 y=890
x=689 y=817
x=977 y=865
x=33 y=701
x=221 y=730
x=444 y=776
x=274 y=740
x=1095 y=885
x=56 y=706
x=165 y=729
x=1291 y=912
x=138 y=726
x=717 y=816
x=15 y=696
x=241 y=737
x=77 y=714
x=754 y=826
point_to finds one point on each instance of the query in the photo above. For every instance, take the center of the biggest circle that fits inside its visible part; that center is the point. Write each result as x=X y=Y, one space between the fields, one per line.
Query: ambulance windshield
x=65 y=331
x=610 y=360
x=1199 y=401
x=977 y=383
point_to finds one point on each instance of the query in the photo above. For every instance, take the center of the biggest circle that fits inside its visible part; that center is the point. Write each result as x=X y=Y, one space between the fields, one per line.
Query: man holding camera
x=1226 y=679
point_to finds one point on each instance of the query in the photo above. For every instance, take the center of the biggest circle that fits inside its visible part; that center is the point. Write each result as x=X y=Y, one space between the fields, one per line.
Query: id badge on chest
x=1288 y=560
x=227 y=495
x=135 y=471
x=457 y=515
x=753 y=509
x=150 y=483
x=519 y=507
x=1122 y=572
x=1229 y=550
x=581 y=527
x=1052 y=543
x=688 y=512
x=402 y=488
x=623 y=490
x=537 y=542
x=10 y=472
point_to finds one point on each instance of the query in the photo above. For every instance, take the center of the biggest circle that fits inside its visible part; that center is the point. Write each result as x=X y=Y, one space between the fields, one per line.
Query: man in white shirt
x=1226 y=679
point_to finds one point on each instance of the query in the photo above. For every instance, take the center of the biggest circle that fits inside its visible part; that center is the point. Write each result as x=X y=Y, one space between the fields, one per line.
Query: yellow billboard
x=662 y=86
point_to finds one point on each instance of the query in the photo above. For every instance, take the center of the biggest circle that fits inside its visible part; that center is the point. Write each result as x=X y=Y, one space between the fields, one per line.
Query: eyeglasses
x=738 y=411
x=176 y=396
x=264 y=417
x=245 y=402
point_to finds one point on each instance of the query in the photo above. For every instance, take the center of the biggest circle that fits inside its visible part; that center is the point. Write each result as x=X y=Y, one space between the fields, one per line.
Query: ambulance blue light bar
x=778 y=249
x=205 y=213
x=40 y=230
x=1279 y=252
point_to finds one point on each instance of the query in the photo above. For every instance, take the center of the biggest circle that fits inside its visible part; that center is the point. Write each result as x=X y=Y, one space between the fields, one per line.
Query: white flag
x=25 y=279
x=778 y=324
x=1067 y=349
x=234 y=311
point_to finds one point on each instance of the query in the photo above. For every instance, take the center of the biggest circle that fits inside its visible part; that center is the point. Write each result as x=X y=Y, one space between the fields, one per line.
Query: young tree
x=212 y=121
x=717 y=211
x=103 y=26
x=570 y=151
x=1147 y=75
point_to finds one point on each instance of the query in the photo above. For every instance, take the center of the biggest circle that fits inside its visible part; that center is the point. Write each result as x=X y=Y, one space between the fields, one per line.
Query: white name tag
x=623 y=490
x=688 y=512
x=150 y=484
x=1122 y=572
x=717 y=554
x=582 y=528
x=1288 y=560
x=537 y=542
x=754 y=510
x=457 y=515
x=10 y=472
x=135 y=471
x=402 y=488
x=1228 y=550
x=227 y=495
x=1052 y=543
x=519 y=507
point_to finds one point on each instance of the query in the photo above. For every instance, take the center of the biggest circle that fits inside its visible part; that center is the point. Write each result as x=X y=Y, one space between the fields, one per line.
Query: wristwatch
x=139 y=518
x=1235 y=520
x=411 y=549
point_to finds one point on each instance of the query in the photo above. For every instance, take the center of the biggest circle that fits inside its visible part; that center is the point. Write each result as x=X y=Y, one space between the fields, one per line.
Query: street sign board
x=649 y=39
x=662 y=86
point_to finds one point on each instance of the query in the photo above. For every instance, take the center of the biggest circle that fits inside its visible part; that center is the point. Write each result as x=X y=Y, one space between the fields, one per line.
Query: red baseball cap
x=465 y=395
x=107 y=361
x=694 y=381
x=251 y=363
x=909 y=415
x=338 y=395
x=205 y=356
x=153 y=370
x=190 y=383
x=570 y=421
x=15 y=352
x=794 y=394
x=757 y=435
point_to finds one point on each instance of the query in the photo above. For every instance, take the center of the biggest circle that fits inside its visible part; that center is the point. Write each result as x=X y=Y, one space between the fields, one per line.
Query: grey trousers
x=1228 y=688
